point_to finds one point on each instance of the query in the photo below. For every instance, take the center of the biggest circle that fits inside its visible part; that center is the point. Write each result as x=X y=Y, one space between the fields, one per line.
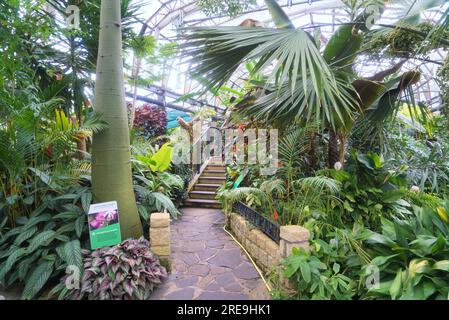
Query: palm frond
x=325 y=108
x=319 y=184
x=95 y=123
x=293 y=145
x=306 y=87
x=239 y=194
x=273 y=187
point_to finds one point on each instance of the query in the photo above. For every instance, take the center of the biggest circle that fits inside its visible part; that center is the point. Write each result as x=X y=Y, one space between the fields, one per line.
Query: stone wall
x=160 y=234
x=265 y=252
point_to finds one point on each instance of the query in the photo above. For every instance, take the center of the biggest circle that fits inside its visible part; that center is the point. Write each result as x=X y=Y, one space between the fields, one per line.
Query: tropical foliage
x=380 y=197
x=363 y=160
x=46 y=127
x=41 y=245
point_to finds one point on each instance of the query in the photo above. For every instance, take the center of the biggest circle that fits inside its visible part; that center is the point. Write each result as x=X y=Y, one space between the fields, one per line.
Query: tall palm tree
x=111 y=164
x=300 y=77
x=305 y=84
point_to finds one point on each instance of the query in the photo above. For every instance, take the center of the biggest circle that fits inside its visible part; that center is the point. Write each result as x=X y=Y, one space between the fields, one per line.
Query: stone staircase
x=204 y=190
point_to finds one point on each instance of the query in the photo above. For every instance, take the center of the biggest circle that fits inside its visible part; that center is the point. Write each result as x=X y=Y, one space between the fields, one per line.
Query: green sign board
x=104 y=225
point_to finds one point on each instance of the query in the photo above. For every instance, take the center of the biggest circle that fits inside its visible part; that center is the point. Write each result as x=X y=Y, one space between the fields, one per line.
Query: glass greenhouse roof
x=166 y=16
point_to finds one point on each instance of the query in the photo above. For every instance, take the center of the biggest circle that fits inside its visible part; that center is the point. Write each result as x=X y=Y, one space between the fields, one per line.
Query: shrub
x=123 y=272
x=369 y=191
x=407 y=259
x=412 y=256
x=314 y=280
x=151 y=121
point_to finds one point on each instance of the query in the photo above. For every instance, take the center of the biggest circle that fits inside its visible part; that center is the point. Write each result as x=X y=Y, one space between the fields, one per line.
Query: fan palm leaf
x=305 y=85
x=319 y=184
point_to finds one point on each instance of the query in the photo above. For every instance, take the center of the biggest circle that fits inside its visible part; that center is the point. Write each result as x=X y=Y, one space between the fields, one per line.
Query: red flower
x=49 y=151
x=275 y=215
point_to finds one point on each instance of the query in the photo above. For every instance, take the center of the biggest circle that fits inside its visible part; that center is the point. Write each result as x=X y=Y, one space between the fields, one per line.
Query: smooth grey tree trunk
x=111 y=163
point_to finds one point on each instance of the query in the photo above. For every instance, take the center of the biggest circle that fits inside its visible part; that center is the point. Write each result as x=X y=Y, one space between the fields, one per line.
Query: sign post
x=104 y=225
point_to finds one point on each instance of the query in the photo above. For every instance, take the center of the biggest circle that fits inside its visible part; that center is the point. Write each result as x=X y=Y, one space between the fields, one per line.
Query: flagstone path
x=206 y=263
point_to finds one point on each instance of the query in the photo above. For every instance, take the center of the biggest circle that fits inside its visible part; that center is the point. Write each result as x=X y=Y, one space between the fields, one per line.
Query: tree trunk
x=80 y=138
x=312 y=151
x=333 y=154
x=81 y=147
x=135 y=74
x=111 y=165
x=343 y=137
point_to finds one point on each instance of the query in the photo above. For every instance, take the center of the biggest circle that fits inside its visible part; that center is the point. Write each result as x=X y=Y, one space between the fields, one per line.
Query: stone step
x=206 y=187
x=216 y=161
x=202 y=203
x=210 y=195
x=216 y=167
x=213 y=173
x=211 y=180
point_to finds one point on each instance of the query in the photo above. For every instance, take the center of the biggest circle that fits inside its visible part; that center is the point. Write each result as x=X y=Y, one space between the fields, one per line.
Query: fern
x=295 y=144
x=273 y=187
x=94 y=123
x=239 y=194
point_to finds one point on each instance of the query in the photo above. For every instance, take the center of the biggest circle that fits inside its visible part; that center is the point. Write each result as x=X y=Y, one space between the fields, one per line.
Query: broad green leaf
x=86 y=199
x=442 y=265
x=25 y=235
x=38 y=279
x=396 y=286
x=278 y=15
x=45 y=178
x=72 y=254
x=41 y=239
x=336 y=267
x=162 y=158
x=79 y=225
x=16 y=254
x=305 y=271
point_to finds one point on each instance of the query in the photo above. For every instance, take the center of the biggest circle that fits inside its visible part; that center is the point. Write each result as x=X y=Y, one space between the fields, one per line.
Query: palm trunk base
x=333 y=154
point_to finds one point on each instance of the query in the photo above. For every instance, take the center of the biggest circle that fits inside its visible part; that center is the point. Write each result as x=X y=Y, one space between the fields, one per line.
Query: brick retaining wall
x=267 y=253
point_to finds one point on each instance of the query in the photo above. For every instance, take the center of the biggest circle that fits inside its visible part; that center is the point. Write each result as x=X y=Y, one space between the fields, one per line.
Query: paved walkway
x=206 y=263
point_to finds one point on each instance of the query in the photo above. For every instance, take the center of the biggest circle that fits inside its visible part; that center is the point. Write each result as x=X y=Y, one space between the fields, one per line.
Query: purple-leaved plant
x=127 y=271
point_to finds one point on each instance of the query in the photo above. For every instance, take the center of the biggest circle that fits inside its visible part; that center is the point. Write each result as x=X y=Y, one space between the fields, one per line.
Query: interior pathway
x=206 y=263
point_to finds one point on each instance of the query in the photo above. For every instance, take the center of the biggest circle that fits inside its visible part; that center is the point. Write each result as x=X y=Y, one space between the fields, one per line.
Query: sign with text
x=104 y=225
